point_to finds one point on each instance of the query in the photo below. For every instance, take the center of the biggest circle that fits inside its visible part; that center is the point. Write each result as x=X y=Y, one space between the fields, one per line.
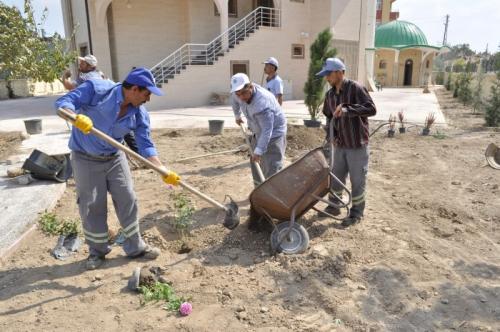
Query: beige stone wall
x=4 y=92
x=147 y=32
x=384 y=76
x=203 y=25
x=28 y=88
x=345 y=18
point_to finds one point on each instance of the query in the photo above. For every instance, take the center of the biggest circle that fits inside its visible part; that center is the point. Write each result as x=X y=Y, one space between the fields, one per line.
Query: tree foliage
x=25 y=52
x=492 y=114
x=464 y=89
x=477 y=94
x=321 y=49
x=448 y=82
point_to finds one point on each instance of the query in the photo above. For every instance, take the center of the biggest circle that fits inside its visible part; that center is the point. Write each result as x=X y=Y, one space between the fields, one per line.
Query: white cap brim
x=238 y=87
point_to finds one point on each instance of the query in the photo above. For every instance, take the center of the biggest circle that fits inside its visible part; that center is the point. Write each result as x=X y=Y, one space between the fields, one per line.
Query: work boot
x=149 y=252
x=350 y=220
x=94 y=261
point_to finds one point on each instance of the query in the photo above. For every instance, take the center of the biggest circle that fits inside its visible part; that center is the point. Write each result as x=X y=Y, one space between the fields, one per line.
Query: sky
x=54 y=22
x=475 y=22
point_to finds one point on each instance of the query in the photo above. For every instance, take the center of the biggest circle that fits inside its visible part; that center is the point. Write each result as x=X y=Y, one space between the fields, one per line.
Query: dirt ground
x=425 y=257
x=9 y=142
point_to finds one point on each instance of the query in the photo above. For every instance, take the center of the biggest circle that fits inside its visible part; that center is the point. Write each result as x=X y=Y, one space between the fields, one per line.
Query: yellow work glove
x=84 y=123
x=171 y=178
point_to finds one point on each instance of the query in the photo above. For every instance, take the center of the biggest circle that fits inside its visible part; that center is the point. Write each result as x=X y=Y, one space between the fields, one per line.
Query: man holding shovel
x=348 y=105
x=99 y=168
x=266 y=121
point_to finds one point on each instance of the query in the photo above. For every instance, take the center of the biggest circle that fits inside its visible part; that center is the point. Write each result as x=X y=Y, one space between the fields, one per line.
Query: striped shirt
x=351 y=129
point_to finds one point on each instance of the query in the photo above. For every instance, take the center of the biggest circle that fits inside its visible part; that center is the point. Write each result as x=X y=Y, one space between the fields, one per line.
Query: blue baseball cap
x=331 y=64
x=144 y=78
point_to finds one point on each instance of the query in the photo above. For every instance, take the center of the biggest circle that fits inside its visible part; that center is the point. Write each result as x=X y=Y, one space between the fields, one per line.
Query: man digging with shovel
x=99 y=168
x=266 y=121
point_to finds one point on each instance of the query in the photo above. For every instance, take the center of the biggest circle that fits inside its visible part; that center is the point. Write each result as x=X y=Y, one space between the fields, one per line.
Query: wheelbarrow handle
x=70 y=116
x=260 y=174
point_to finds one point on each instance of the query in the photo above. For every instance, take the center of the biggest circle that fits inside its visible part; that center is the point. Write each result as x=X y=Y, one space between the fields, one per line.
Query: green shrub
x=51 y=225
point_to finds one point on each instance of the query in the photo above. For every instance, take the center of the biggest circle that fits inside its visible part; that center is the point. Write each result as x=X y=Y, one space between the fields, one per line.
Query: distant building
x=403 y=57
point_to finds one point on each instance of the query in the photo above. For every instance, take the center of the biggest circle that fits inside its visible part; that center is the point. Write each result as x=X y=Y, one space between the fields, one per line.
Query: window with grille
x=297 y=51
x=240 y=66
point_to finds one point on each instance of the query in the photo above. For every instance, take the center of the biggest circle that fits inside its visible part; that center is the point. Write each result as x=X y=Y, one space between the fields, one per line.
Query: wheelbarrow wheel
x=294 y=243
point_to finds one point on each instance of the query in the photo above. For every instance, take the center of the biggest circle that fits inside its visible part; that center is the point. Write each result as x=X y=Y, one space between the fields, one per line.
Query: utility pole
x=445 y=37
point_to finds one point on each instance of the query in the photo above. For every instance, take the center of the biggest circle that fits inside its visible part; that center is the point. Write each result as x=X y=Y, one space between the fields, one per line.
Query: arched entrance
x=408 y=72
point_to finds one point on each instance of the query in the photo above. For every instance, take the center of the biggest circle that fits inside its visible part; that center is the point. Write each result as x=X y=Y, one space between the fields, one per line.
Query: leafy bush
x=492 y=114
x=51 y=225
x=160 y=291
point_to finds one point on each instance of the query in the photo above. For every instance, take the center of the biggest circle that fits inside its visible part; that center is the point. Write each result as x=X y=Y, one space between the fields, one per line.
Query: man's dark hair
x=275 y=68
x=129 y=86
x=247 y=86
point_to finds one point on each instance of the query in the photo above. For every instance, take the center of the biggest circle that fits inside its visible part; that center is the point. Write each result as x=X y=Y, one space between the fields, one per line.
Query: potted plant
x=314 y=87
x=401 y=117
x=429 y=121
x=392 y=126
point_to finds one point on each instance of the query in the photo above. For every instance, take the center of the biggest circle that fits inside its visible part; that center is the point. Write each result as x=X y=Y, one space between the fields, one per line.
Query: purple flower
x=185 y=309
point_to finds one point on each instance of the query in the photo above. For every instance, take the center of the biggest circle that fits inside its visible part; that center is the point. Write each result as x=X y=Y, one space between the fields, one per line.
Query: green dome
x=399 y=34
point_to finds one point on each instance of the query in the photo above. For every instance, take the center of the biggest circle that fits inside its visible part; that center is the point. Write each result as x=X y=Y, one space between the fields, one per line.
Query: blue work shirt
x=275 y=85
x=100 y=100
x=264 y=115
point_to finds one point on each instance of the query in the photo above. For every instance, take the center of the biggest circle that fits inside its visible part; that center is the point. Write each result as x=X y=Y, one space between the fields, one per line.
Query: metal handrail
x=206 y=54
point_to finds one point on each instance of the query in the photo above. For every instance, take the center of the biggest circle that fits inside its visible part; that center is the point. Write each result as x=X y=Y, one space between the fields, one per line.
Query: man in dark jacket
x=349 y=105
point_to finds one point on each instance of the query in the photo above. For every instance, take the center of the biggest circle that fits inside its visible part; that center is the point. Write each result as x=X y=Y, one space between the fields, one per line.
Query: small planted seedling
x=392 y=125
x=429 y=121
x=184 y=209
x=401 y=118
x=183 y=219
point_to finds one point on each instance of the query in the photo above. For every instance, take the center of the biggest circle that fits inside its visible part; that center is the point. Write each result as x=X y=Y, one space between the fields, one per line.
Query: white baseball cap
x=272 y=61
x=238 y=81
x=90 y=59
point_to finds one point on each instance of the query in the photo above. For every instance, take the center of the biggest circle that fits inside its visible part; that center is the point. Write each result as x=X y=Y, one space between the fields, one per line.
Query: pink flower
x=185 y=309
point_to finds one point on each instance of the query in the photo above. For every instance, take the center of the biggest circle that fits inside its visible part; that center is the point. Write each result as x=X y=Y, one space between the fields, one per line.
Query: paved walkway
x=21 y=205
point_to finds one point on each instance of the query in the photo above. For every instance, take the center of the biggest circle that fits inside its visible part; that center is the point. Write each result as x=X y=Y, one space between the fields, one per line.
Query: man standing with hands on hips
x=99 y=168
x=348 y=105
x=266 y=121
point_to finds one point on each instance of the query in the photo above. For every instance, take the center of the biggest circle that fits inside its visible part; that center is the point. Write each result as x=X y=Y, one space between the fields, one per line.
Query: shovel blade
x=232 y=217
